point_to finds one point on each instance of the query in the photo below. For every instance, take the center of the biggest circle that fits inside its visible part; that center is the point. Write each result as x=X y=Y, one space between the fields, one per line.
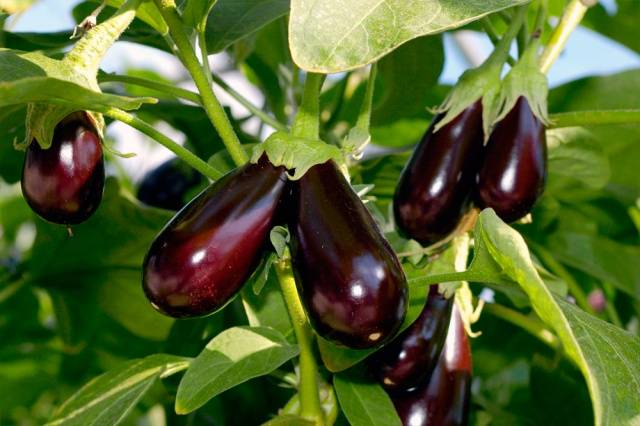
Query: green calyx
x=482 y=82
x=296 y=153
x=524 y=79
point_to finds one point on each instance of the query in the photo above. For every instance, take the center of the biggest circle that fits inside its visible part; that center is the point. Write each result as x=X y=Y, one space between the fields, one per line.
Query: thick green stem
x=532 y=326
x=307 y=121
x=592 y=118
x=186 y=155
x=257 y=111
x=571 y=17
x=211 y=105
x=310 y=406
x=364 y=117
x=204 y=52
x=87 y=53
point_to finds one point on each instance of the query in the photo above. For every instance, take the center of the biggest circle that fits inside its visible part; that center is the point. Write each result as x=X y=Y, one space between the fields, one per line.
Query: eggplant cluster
x=64 y=183
x=451 y=167
x=427 y=368
x=350 y=281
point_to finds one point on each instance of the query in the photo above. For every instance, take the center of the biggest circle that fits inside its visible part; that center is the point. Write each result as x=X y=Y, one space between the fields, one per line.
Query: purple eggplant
x=203 y=256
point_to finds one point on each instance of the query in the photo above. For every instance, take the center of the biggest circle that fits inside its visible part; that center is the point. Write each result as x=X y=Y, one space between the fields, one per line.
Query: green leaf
x=231 y=20
x=573 y=160
x=232 y=357
x=279 y=237
x=406 y=77
x=288 y=420
x=604 y=259
x=107 y=399
x=196 y=12
x=267 y=309
x=13 y=130
x=333 y=35
x=606 y=355
x=363 y=401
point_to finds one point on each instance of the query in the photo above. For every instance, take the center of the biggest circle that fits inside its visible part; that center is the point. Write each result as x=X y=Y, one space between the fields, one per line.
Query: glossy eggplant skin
x=410 y=358
x=350 y=281
x=64 y=183
x=445 y=399
x=203 y=256
x=514 y=168
x=431 y=195
x=165 y=186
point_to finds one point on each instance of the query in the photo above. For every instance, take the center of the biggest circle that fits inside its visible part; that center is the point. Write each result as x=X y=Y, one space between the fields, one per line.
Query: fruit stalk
x=310 y=406
x=307 y=121
x=210 y=102
x=570 y=19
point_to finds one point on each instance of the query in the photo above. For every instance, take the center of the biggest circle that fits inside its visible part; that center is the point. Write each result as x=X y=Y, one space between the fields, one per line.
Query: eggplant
x=203 y=256
x=514 y=169
x=350 y=281
x=64 y=183
x=445 y=398
x=166 y=186
x=431 y=195
x=410 y=358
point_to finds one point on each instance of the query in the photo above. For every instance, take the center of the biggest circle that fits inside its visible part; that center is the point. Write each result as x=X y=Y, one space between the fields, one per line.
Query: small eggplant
x=165 y=186
x=64 y=183
x=431 y=196
x=201 y=258
x=445 y=398
x=350 y=280
x=514 y=168
x=410 y=358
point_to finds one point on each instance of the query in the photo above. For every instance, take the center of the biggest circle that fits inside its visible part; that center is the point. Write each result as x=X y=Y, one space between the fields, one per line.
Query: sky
x=587 y=53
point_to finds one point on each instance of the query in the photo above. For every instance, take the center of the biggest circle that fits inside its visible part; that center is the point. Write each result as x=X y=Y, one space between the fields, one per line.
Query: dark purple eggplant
x=166 y=186
x=201 y=258
x=350 y=280
x=64 y=183
x=410 y=358
x=431 y=196
x=514 y=168
x=444 y=400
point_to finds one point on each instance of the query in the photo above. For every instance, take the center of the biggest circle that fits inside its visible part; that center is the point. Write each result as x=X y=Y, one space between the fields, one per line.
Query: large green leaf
x=231 y=20
x=12 y=125
x=606 y=355
x=232 y=357
x=363 y=401
x=334 y=35
x=33 y=77
x=621 y=26
x=107 y=399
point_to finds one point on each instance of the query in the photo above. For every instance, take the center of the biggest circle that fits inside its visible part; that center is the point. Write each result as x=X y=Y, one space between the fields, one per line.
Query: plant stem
x=364 y=117
x=194 y=97
x=592 y=118
x=557 y=268
x=501 y=50
x=266 y=118
x=186 y=155
x=204 y=52
x=307 y=121
x=570 y=19
x=310 y=406
x=494 y=37
x=159 y=86
x=535 y=327
x=210 y=103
